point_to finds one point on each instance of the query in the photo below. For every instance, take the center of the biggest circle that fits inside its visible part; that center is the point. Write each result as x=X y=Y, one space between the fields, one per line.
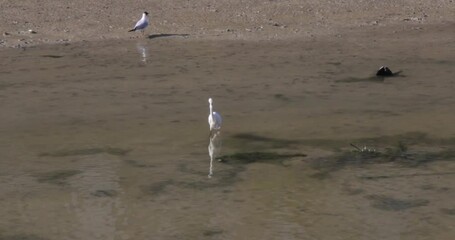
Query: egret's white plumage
x=142 y=23
x=214 y=118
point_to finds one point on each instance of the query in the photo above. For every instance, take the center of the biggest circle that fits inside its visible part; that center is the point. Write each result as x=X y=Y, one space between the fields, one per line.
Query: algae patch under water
x=224 y=178
x=400 y=154
x=254 y=157
x=392 y=204
x=251 y=141
x=236 y=163
x=105 y=193
x=20 y=237
x=404 y=149
x=58 y=177
x=448 y=211
x=86 y=151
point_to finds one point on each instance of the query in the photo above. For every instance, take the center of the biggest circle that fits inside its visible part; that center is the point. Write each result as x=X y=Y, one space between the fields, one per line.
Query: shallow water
x=110 y=140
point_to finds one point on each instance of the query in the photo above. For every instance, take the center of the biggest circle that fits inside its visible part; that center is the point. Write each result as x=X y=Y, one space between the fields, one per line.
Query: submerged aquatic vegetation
x=281 y=97
x=52 y=56
x=448 y=211
x=400 y=151
x=422 y=158
x=104 y=193
x=212 y=232
x=392 y=204
x=56 y=177
x=222 y=179
x=225 y=177
x=158 y=187
x=401 y=148
x=86 y=151
x=252 y=157
x=254 y=141
x=400 y=154
x=137 y=164
x=20 y=237
x=376 y=177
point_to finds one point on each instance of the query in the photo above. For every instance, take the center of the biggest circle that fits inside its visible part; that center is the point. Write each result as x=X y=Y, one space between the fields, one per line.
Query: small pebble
x=32 y=31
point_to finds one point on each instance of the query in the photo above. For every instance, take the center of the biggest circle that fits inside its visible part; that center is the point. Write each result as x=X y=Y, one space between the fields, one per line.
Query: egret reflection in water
x=214 y=148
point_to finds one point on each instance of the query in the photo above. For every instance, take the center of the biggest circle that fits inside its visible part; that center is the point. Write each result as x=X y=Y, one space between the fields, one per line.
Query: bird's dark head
x=146 y=13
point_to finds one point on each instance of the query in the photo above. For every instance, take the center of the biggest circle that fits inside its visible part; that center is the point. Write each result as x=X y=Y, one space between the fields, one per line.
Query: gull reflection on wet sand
x=143 y=51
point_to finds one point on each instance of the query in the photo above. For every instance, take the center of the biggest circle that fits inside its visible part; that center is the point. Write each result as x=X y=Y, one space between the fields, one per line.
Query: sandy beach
x=28 y=22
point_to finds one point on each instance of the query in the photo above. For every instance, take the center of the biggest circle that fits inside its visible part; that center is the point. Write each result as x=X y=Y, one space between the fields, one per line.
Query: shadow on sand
x=162 y=35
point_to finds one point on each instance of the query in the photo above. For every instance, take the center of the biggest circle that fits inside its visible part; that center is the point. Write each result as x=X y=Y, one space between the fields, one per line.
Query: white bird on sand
x=214 y=118
x=142 y=23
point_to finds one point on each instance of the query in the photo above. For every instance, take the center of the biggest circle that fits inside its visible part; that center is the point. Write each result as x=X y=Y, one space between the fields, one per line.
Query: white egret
x=214 y=118
x=142 y=23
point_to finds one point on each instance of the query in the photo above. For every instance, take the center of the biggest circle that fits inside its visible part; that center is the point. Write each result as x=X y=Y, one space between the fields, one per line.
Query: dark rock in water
x=384 y=72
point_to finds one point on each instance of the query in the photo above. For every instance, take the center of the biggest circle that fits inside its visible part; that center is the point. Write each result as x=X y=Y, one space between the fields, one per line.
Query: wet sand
x=62 y=22
x=108 y=140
